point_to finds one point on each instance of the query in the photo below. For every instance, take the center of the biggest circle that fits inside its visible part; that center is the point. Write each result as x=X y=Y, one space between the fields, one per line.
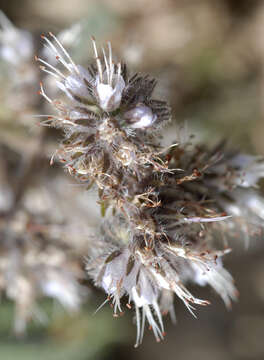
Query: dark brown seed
x=112 y=256
x=130 y=264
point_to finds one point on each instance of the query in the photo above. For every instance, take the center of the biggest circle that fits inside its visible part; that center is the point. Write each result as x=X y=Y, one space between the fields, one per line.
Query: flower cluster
x=38 y=257
x=34 y=262
x=162 y=206
x=17 y=72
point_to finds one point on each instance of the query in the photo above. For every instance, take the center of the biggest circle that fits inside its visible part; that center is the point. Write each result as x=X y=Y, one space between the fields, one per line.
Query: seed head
x=167 y=204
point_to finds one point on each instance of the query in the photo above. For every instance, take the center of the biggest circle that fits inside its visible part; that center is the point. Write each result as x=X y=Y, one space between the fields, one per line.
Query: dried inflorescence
x=17 y=72
x=37 y=259
x=33 y=264
x=162 y=206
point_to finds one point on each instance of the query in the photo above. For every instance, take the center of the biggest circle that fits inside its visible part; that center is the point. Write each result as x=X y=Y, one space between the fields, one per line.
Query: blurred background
x=208 y=56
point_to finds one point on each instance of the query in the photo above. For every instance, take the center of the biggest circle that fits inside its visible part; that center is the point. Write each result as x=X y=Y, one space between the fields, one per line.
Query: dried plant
x=168 y=213
x=36 y=258
x=163 y=208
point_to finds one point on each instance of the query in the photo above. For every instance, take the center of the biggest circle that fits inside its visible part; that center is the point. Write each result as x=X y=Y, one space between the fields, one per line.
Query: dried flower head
x=167 y=203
